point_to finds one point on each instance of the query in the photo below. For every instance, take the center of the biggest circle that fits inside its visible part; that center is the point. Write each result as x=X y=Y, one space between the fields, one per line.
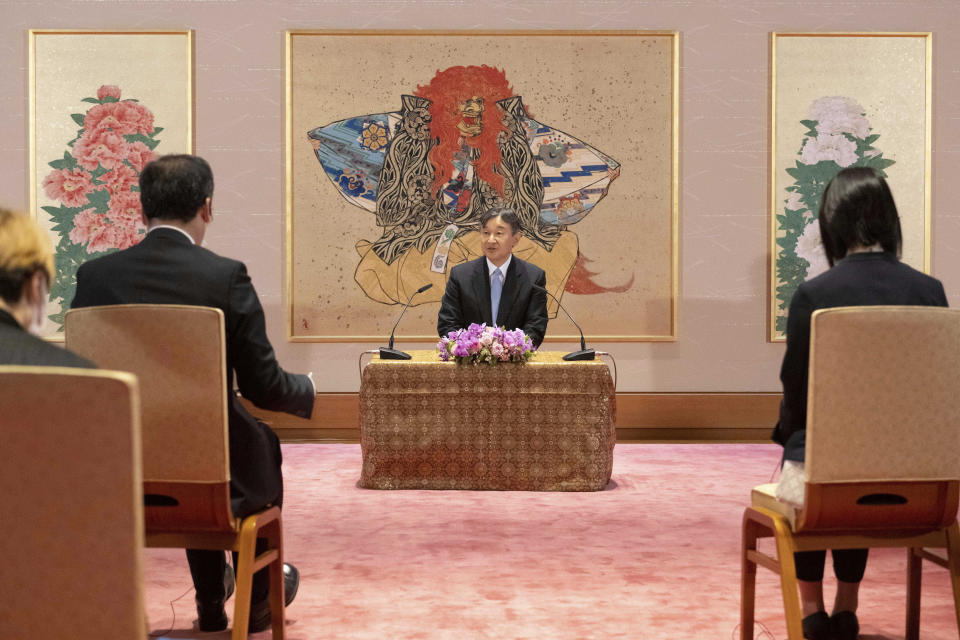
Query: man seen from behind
x=170 y=266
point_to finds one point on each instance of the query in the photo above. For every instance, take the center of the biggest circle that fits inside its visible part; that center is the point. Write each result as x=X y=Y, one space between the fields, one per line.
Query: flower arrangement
x=479 y=343
x=96 y=185
x=838 y=135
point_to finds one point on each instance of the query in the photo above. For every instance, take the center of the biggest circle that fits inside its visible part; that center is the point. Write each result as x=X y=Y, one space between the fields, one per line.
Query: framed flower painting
x=398 y=141
x=102 y=105
x=844 y=100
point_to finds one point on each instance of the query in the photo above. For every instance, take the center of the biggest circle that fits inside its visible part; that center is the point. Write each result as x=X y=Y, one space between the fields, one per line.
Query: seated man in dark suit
x=26 y=266
x=496 y=289
x=170 y=267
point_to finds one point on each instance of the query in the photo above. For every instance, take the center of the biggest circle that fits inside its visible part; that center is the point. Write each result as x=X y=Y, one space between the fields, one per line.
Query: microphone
x=584 y=353
x=388 y=352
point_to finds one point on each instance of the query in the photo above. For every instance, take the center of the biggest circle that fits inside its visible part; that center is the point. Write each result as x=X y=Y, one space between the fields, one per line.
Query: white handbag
x=792 y=485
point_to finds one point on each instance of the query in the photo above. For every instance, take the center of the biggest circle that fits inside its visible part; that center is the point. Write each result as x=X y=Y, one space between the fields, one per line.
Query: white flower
x=486 y=339
x=795 y=201
x=829 y=147
x=810 y=248
x=838 y=114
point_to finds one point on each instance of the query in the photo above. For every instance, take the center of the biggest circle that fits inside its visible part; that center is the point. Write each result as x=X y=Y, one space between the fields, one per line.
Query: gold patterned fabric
x=545 y=425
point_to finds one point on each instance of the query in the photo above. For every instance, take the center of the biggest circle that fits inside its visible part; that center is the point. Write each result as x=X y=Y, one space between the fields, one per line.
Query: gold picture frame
x=618 y=97
x=101 y=105
x=836 y=100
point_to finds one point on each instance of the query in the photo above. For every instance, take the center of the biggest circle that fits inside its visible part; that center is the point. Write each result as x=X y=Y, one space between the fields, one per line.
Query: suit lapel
x=512 y=283
x=480 y=282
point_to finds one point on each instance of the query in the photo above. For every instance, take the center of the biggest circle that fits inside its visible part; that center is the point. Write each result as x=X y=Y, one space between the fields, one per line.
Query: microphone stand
x=388 y=352
x=584 y=353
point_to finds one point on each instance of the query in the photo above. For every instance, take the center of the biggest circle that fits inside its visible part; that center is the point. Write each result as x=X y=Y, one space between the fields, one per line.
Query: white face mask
x=39 y=315
x=36 y=325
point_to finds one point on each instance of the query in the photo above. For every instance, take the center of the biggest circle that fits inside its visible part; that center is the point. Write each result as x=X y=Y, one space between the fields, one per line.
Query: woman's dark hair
x=857 y=210
x=174 y=187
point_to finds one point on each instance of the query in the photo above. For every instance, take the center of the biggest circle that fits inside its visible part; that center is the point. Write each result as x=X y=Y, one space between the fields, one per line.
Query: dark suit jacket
x=17 y=346
x=165 y=268
x=466 y=299
x=860 y=279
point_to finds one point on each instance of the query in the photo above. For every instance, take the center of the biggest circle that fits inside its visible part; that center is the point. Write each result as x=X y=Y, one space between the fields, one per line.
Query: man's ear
x=206 y=211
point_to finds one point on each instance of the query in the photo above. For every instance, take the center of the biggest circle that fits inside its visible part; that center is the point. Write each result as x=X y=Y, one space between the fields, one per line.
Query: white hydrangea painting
x=838 y=135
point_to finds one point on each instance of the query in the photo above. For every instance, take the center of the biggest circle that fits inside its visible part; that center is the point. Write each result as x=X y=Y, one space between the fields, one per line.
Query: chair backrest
x=72 y=535
x=882 y=403
x=178 y=353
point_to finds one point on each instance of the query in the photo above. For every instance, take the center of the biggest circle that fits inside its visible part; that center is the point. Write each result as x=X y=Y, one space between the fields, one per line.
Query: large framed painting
x=102 y=104
x=844 y=100
x=397 y=142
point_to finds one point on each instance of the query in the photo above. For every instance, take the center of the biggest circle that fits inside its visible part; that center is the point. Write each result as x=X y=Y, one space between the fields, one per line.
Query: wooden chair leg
x=914 y=579
x=245 y=559
x=273 y=532
x=748 y=577
x=788 y=579
x=953 y=562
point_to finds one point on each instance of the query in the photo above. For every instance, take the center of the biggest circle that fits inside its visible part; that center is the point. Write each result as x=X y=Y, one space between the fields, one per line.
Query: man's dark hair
x=174 y=187
x=858 y=210
x=506 y=214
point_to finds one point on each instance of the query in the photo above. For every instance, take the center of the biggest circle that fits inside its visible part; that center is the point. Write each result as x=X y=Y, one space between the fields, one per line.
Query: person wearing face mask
x=26 y=266
x=170 y=266
x=862 y=239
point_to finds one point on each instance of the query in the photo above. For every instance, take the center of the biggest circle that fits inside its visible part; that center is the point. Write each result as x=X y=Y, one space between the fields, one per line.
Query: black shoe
x=211 y=615
x=816 y=626
x=229 y=582
x=291 y=582
x=260 y=619
x=844 y=625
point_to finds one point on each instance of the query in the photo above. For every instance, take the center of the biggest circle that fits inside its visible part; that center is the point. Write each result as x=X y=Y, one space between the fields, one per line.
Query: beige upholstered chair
x=882 y=452
x=179 y=355
x=72 y=541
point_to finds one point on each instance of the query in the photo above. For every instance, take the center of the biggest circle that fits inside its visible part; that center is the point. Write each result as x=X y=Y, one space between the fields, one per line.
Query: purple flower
x=479 y=343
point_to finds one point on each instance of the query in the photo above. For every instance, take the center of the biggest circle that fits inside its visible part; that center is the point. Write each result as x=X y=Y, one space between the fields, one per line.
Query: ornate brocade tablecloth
x=546 y=425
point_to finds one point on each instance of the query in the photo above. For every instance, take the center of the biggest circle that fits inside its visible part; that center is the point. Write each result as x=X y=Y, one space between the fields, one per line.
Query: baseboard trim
x=641 y=417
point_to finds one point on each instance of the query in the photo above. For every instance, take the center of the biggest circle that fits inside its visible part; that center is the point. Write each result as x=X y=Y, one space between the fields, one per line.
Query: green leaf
x=110 y=99
x=78 y=118
x=93 y=100
x=68 y=162
x=871 y=138
x=62 y=214
x=156 y=130
x=139 y=137
x=100 y=200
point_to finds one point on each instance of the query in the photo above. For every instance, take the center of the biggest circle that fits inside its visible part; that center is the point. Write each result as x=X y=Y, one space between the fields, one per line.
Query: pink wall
x=723 y=150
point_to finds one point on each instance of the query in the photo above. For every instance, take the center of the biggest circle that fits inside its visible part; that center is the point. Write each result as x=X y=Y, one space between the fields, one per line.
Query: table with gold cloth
x=545 y=425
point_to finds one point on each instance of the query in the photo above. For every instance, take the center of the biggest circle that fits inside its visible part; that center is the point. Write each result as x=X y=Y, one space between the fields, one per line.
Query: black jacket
x=466 y=299
x=17 y=346
x=860 y=279
x=166 y=268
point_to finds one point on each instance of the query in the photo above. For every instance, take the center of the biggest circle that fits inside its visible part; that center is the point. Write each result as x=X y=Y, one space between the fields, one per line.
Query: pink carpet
x=654 y=557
